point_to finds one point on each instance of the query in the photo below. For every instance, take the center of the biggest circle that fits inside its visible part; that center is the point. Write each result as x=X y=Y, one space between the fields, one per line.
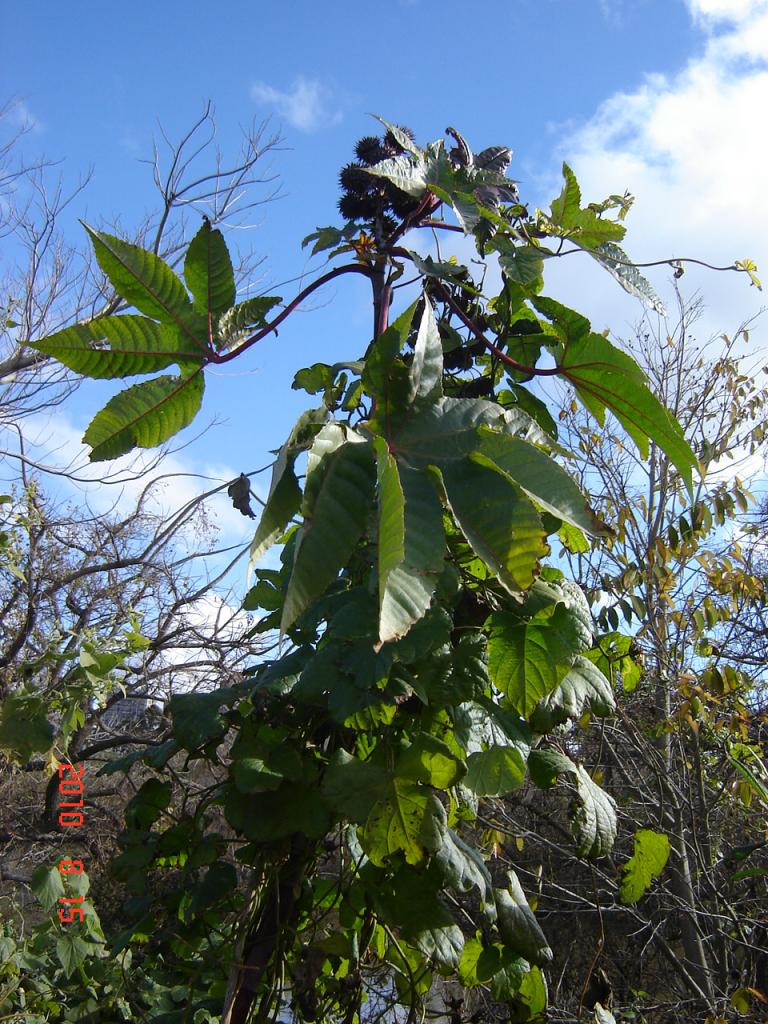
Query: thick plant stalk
x=273 y=915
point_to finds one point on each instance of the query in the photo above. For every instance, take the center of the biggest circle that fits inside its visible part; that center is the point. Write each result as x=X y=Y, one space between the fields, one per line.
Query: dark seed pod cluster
x=369 y=198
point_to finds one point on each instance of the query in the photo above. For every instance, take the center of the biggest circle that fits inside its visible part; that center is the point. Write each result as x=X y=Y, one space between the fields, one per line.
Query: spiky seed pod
x=458 y=358
x=353 y=178
x=353 y=207
x=388 y=224
x=476 y=388
x=369 y=150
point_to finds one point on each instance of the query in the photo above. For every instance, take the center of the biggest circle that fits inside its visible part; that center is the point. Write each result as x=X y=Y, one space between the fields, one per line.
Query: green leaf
x=411 y=820
x=379 y=381
x=509 y=979
x=517 y=925
x=237 y=323
x=606 y=377
x=443 y=271
x=541 y=478
x=646 y=863
x=352 y=787
x=594 y=823
x=526 y=660
x=426 y=371
x=411 y=549
x=546 y=766
x=584 y=227
x=148 y=804
x=446 y=430
x=284 y=499
x=328 y=237
x=402 y=138
x=619 y=265
x=523 y=264
x=495 y=772
x=332 y=529
x=73 y=951
x=208 y=272
x=468 y=973
x=196 y=717
x=282 y=504
x=293 y=807
x=406 y=172
x=47 y=886
x=136 y=345
x=499 y=521
x=532 y=996
x=463 y=868
x=218 y=885
x=24 y=727
x=412 y=904
x=430 y=761
x=584 y=686
x=147 y=283
x=144 y=415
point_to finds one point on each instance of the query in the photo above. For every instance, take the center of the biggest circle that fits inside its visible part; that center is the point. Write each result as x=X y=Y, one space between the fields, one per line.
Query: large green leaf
x=618 y=264
x=646 y=863
x=144 y=415
x=332 y=529
x=411 y=903
x=149 y=284
x=47 y=885
x=284 y=499
x=24 y=727
x=607 y=378
x=463 y=868
x=293 y=807
x=584 y=686
x=209 y=274
x=541 y=478
x=429 y=760
x=411 y=545
x=526 y=660
x=426 y=371
x=594 y=822
x=406 y=172
x=352 y=787
x=411 y=820
x=72 y=950
x=495 y=772
x=136 y=345
x=282 y=504
x=517 y=925
x=446 y=430
x=197 y=717
x=499 y=521
x=385 y=376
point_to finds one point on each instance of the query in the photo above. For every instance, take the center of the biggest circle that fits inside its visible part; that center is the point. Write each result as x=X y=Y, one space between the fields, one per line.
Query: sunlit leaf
x=144 y=415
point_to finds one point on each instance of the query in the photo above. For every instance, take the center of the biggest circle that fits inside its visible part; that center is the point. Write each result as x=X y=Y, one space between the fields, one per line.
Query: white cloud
x=689 y=146
x=306 y=105
x=19 y=116
x=725 y=10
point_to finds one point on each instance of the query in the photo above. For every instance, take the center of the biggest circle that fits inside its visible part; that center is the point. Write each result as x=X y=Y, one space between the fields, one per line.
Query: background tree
x=682 y=576
x=104 y=613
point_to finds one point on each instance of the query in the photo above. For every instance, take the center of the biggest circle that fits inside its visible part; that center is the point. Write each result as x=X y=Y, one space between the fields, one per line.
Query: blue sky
x=664 y=97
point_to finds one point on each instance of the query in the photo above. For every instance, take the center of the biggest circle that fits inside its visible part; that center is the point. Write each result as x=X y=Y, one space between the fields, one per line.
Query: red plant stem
x=446 y=296
x=348 y=268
